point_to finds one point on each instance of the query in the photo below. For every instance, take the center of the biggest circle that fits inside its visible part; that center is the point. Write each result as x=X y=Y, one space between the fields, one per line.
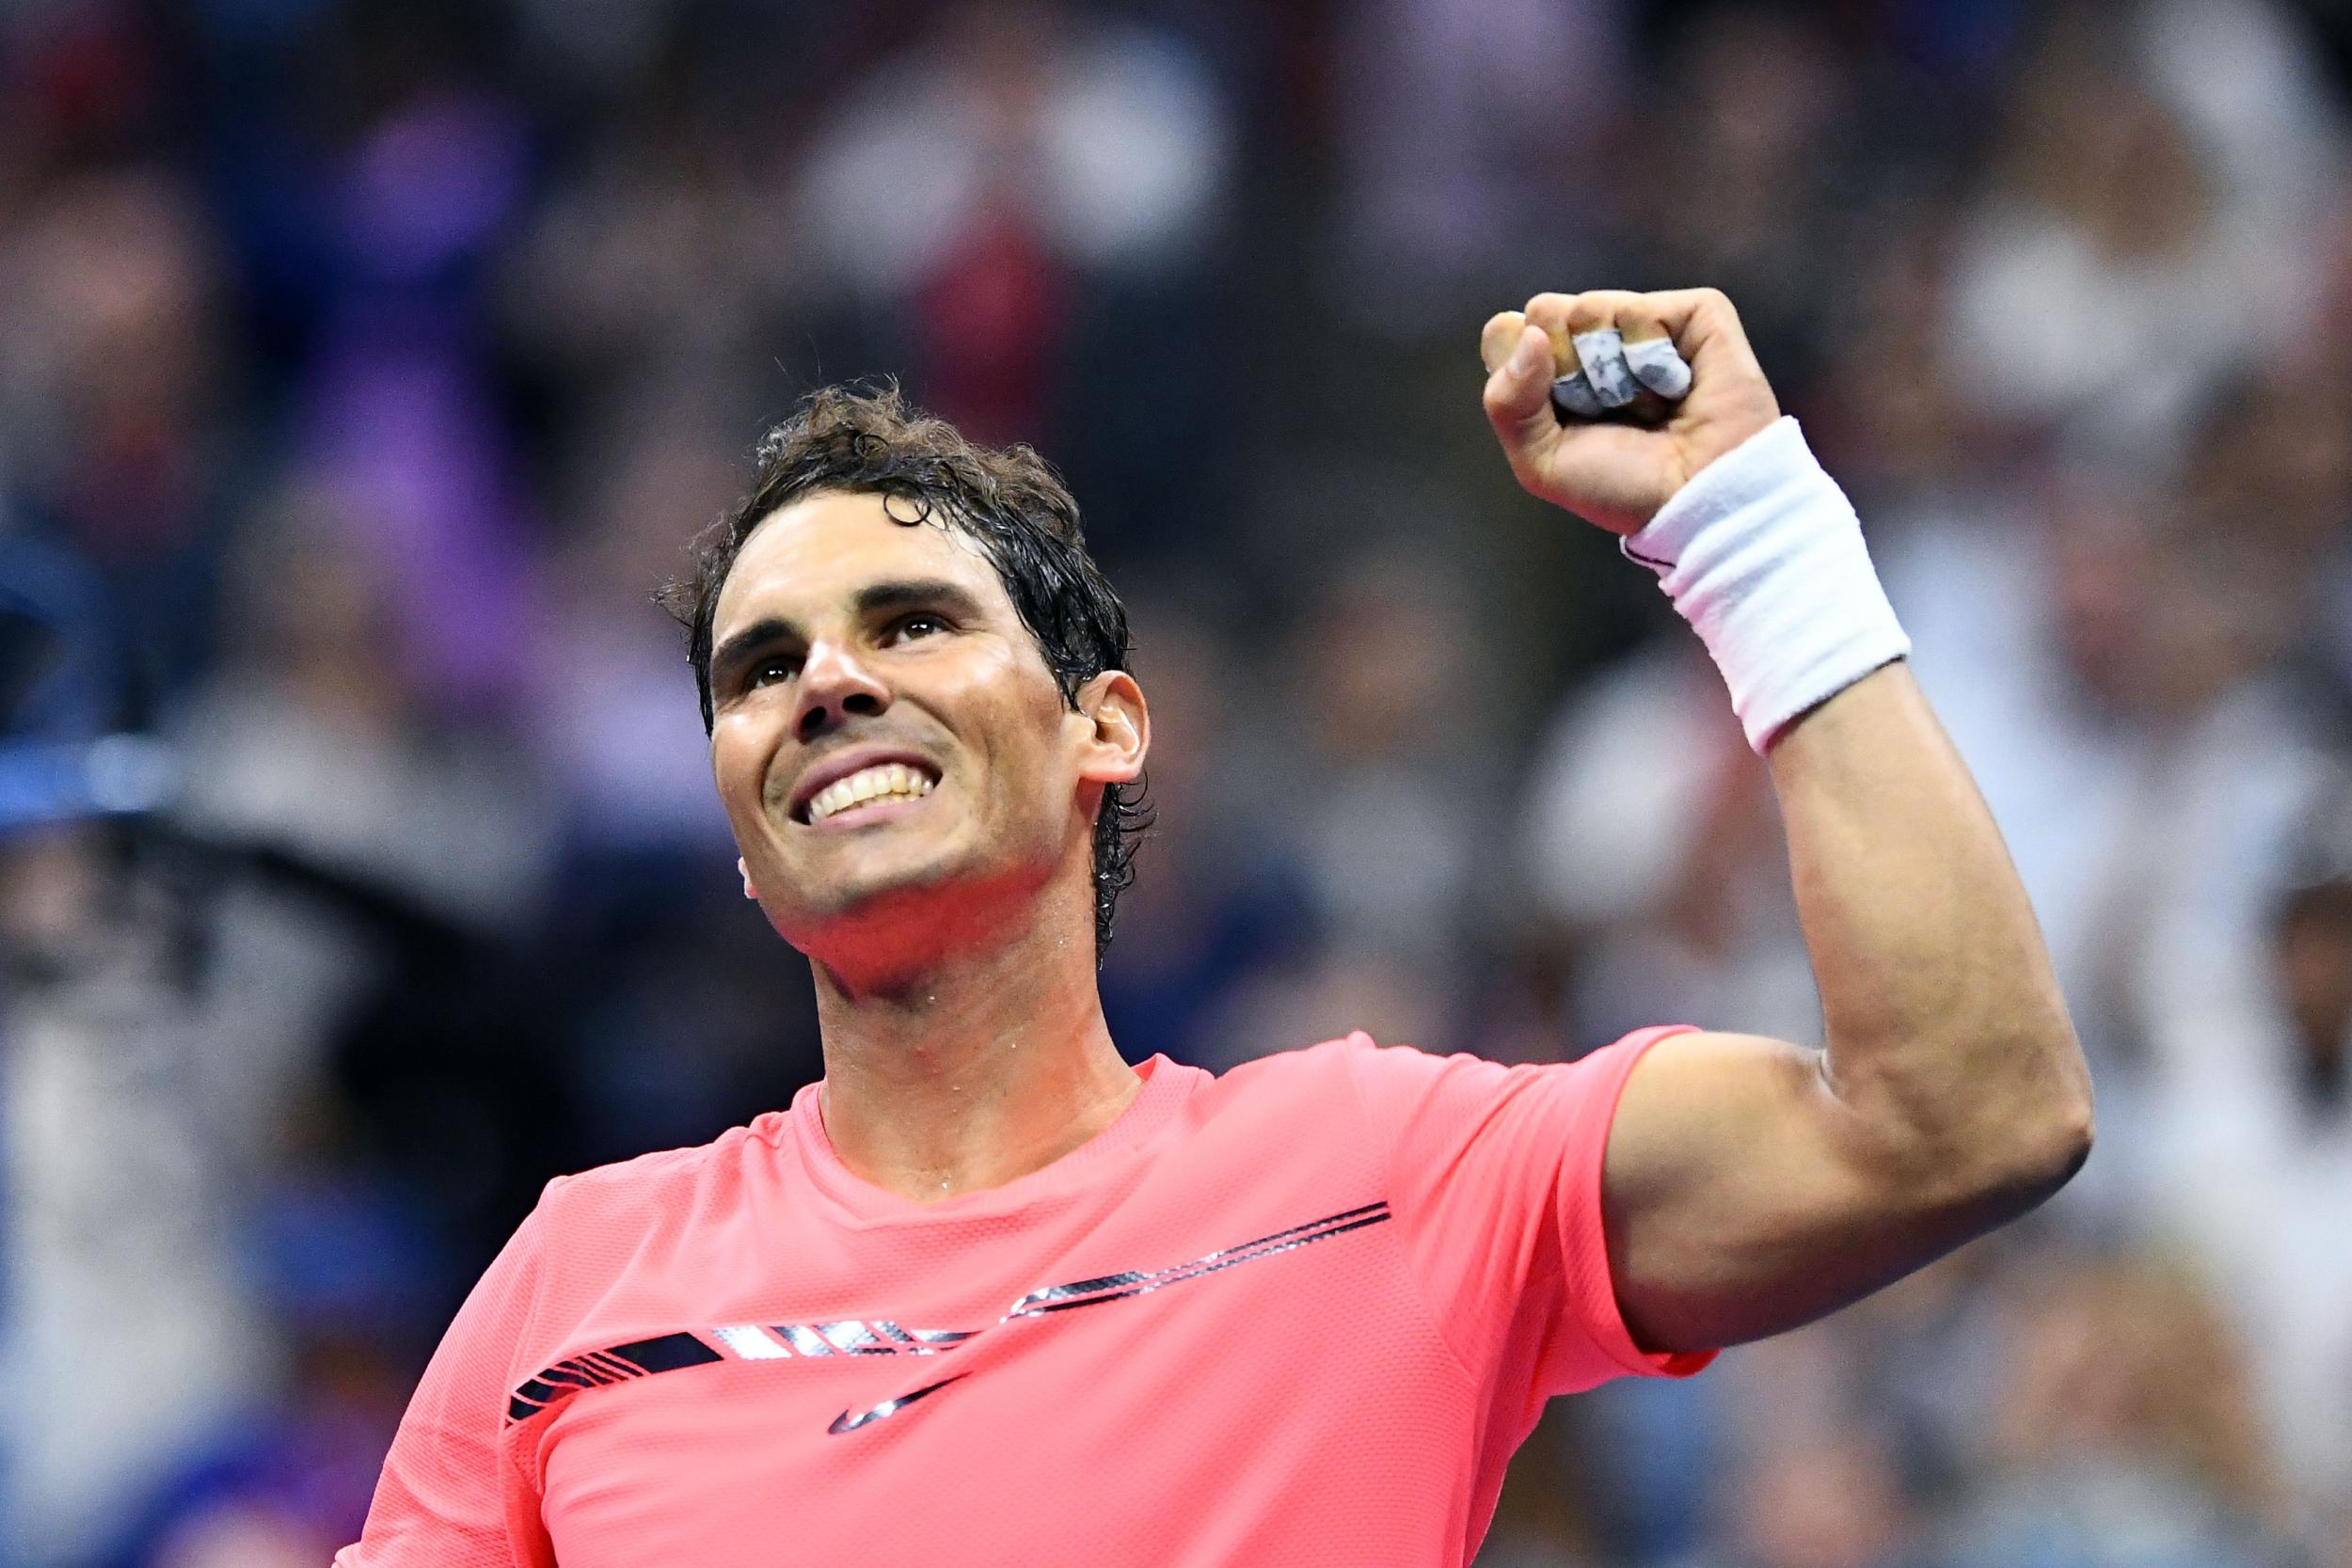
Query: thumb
x=1519 y=395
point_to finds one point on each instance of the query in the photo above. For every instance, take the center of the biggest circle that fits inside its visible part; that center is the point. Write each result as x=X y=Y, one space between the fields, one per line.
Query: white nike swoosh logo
x=847 y=1423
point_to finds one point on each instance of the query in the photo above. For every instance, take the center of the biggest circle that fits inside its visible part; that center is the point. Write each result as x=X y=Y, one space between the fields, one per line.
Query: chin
x=896 y=887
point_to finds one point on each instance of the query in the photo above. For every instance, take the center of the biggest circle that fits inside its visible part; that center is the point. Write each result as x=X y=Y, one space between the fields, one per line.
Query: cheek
x=1011 y=715
x=737 y=765
x=1034 y=742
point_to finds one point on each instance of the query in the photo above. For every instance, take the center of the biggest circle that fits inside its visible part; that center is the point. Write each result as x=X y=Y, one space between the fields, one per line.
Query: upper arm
x=1742 y=1197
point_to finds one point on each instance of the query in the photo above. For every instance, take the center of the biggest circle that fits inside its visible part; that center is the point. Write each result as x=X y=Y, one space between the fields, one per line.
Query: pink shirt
x=1301 y=1313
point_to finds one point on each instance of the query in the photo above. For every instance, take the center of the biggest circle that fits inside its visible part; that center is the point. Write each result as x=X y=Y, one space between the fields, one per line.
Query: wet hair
x=1010 y=501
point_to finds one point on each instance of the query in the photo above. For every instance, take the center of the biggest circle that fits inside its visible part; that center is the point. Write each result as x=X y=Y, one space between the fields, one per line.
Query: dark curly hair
x=1008 y=501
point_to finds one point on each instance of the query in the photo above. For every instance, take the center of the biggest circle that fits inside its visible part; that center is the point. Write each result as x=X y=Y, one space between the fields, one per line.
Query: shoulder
x=1298 y=1063
x=1403 y=1091
x=1359 y=1061
x=1342 y=1066
x=669 y=1180
x=1304 y=1096
x=1379 y=1085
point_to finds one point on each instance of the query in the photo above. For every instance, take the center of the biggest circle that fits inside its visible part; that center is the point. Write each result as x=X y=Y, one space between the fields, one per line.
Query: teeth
x=887 y=781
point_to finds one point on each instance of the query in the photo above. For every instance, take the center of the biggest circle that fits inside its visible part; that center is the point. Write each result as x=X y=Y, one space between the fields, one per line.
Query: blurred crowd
x=366 y=364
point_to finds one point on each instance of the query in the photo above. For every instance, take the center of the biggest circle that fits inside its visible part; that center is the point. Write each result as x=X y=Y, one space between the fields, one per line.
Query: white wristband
x=1763 y=555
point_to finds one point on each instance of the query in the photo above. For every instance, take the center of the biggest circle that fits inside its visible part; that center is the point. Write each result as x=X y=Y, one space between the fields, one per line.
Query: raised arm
x=1751 y=1185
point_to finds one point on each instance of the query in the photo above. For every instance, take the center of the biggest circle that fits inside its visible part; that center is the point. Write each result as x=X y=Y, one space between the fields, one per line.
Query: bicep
x=1742 y=1197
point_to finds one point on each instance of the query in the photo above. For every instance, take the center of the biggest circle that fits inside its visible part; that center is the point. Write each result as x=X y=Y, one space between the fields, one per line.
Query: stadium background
x=365 y=363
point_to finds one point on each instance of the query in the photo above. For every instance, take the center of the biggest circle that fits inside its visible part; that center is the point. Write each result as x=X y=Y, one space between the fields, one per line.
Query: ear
x=749 y=891
x=1119 y=729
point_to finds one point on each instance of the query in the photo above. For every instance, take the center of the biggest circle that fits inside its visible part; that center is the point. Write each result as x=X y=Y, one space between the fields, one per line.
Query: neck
x=973 y=1070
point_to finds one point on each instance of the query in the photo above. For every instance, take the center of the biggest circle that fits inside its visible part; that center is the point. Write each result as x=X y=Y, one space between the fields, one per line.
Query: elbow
x=2067 y=1123
x=2041 y=1135
x=2001 y=1140
x=2064 y=1146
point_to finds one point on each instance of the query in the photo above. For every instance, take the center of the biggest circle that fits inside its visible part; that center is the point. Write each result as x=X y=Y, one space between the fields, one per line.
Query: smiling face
x=887 y=739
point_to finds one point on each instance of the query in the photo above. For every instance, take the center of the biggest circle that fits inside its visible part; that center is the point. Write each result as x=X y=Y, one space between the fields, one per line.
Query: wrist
x=1761 y=552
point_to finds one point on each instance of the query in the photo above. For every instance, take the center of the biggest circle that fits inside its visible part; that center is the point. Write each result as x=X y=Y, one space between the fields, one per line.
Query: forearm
x=1750 y=1184
x=1946 y=1030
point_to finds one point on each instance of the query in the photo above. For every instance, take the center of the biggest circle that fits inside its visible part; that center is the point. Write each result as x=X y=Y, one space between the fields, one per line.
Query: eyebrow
x=876 y=598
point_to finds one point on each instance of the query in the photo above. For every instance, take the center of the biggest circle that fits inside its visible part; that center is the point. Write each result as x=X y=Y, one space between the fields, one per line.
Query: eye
x=776 y=667
x=923 y=622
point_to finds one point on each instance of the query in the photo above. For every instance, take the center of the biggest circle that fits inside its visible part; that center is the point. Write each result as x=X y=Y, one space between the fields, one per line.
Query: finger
x=1700 y=324
x=1651 y=356
x=1500 y=336
x=1656 y=365
x=1519 y=395
x=1694 y=320
x=1595 y=325
x=1572 y=398
x=1600 y=353
x=1551 y=312
x=1565 y=315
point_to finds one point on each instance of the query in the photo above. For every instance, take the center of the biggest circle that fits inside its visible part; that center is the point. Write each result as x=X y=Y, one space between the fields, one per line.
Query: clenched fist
x=1618 y=475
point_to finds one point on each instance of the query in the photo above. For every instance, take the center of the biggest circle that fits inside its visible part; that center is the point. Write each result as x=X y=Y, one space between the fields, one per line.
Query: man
x=988 y=1294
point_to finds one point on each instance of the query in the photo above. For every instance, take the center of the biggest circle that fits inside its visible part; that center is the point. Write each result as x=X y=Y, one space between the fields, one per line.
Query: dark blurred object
x=2313 y=947
x=59 y=698
x=2315 y=971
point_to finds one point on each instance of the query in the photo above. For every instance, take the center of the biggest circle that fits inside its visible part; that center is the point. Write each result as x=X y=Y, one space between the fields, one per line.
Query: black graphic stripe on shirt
x=665 y=1352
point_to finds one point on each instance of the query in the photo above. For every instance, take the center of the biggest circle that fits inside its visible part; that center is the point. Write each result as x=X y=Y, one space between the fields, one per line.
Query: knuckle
x=1606 y=308
x=1549 y=310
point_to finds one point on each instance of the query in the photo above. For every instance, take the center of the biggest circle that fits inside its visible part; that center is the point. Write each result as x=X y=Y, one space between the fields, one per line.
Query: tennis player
x=988 y=1295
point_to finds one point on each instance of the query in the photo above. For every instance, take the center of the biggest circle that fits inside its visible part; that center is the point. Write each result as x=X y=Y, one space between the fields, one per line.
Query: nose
x=834 y=684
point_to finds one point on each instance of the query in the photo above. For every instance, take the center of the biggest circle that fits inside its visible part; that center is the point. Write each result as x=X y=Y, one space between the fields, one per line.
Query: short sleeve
x=1495 y=1178
x=449 y=1498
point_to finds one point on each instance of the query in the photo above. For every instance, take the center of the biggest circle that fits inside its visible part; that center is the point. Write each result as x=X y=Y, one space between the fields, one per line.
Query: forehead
x=812 y=555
